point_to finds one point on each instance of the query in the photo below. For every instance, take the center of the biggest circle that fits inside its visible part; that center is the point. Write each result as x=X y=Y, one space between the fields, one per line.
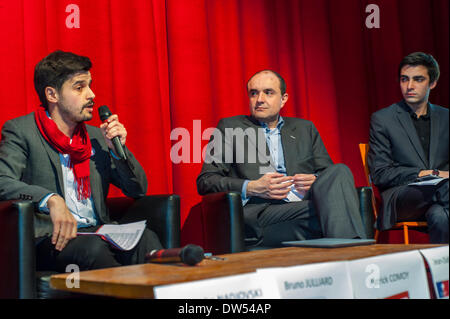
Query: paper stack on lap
x=123 y=237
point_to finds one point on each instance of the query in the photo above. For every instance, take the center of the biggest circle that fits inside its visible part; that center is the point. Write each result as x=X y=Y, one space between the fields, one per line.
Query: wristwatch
x=435 y=172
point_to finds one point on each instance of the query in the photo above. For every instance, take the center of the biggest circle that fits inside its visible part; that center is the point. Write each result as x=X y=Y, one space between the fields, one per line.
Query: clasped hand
x=277 y=185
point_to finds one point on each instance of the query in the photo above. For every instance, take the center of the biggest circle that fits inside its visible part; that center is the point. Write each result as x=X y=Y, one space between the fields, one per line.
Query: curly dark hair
x=55 y=69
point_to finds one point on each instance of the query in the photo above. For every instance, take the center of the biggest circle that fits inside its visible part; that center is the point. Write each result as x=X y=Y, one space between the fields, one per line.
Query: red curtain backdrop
x=162 y=65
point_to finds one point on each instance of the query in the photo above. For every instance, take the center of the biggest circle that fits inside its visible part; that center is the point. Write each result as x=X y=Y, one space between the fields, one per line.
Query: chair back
x=364 y=150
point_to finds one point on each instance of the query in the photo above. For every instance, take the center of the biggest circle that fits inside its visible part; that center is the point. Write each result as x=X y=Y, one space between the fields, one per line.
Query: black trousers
x=430 y=203
x=329 y=209
x=91 y=252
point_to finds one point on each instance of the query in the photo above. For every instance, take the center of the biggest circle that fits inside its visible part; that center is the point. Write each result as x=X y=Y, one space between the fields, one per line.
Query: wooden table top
x=137 y=281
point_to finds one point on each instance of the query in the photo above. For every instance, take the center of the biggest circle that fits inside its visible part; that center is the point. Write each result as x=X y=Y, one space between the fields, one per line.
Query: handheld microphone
x=105 y=113
x=189 y=255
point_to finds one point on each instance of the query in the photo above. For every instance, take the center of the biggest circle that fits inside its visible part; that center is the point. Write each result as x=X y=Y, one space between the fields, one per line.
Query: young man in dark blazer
x=65 y=167
x=290 y=188
x=409 y=140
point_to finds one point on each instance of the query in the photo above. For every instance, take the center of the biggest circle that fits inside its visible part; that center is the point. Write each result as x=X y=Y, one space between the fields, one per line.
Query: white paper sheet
x=124 y=237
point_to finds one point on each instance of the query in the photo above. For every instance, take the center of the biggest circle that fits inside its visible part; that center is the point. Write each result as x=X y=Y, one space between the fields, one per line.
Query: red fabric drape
x=162 y=65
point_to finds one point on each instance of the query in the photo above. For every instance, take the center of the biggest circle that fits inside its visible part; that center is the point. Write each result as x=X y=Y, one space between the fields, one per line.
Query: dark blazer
x=30 y=168
x=304 y=152
x=396 y=155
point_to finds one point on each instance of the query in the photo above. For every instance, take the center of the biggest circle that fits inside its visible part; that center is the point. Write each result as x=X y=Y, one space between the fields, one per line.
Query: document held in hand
x=123 y=237
x=428 y=180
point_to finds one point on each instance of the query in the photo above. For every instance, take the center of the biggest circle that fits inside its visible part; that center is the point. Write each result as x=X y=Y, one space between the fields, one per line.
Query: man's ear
x=284 y=99
x=51 y=94
x=433 y=85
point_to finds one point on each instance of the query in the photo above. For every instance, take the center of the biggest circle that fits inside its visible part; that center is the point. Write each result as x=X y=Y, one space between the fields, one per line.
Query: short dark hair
x=280 y=78
x=55 y=69
x=420 y=58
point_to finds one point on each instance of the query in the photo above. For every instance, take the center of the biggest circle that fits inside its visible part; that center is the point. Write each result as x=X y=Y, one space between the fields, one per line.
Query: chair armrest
x=17 y=251
x=162 y=213
x=223 y=220
x=223 y=223
x=366 y=209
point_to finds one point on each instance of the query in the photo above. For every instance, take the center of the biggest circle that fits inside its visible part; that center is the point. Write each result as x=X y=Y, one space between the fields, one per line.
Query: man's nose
x=410 y=84
x=91 y=94
x=261 y=97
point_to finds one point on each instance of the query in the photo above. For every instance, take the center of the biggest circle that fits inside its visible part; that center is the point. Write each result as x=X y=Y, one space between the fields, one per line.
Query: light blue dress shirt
x=273 y=141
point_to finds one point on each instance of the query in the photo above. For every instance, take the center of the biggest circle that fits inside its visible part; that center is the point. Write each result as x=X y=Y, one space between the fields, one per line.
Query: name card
x=246 y=286
x=437 y=259
x=314 y=281
x=391 y=276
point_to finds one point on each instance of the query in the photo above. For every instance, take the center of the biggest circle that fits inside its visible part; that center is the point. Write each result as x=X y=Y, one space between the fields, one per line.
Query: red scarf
x=79 y=150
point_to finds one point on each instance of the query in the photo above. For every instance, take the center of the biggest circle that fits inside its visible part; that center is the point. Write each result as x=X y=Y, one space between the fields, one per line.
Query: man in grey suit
x=409 y=140
x=290 y=188
x=64 y=167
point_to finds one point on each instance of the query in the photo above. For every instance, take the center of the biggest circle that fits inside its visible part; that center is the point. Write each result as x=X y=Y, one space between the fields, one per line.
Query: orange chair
x=364 y=149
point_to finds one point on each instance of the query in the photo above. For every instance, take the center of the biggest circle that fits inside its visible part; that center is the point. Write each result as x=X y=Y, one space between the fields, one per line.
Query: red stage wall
x=161 y=65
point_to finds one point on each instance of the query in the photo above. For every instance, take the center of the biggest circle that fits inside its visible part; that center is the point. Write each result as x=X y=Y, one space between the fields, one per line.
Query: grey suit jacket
x=396 y=155
x=304 y=152
x=30 y=168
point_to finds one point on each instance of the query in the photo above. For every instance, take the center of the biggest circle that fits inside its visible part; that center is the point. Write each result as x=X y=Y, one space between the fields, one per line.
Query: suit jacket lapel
x=290 y=146
x=405 y=120
x=95 y=186
x=96 y=175
x=55 y=161
x=434 y=135
x=263 y=155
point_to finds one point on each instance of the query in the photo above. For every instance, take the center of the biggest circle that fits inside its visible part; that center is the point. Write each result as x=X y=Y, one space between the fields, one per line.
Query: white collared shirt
x=82 y=210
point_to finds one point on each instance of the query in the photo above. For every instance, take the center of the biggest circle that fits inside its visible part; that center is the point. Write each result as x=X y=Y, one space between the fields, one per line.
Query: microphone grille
x=192 y=254
x=104 y=112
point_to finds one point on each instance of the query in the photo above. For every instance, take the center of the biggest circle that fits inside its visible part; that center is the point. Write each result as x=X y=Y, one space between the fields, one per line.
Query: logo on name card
x=442 y=288
x=402 y=295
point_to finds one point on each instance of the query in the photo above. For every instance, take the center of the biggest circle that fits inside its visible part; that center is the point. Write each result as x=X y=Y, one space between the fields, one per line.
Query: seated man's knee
x=338 y=169
x=342 y=168
x=441 y=195
x=437 y=218
x=91 y=252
